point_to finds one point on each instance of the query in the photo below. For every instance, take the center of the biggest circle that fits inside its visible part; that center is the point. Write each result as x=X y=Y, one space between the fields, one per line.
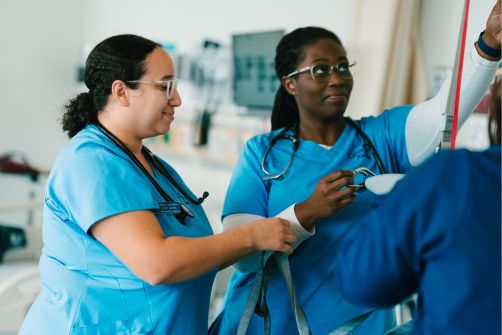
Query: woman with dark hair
x=127 y=247
x=443 y=245
x=303 y=170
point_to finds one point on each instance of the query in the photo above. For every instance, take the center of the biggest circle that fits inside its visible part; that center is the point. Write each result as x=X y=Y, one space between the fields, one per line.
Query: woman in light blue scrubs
x=316 y=192
x=127 y=246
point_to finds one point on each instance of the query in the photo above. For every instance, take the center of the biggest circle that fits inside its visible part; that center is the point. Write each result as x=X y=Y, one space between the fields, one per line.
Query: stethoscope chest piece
x=383 y=183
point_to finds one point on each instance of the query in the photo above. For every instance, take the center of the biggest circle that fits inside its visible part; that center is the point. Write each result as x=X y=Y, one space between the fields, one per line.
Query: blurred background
x=223 y=52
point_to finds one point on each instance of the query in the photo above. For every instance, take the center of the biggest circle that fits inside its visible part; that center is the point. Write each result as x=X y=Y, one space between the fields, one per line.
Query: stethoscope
x=284 y=134
x=184 y=210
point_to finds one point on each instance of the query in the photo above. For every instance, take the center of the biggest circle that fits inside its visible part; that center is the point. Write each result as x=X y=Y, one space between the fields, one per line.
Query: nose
x=335 y=79
x=175 y=101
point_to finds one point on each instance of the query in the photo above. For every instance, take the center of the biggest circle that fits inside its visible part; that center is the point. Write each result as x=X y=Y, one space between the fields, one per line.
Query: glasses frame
x=333 y=68
x=170 y=85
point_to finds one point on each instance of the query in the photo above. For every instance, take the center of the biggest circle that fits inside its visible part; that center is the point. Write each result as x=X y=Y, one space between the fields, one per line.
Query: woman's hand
x=273 y=234
x=328 y=198
x=493 y=34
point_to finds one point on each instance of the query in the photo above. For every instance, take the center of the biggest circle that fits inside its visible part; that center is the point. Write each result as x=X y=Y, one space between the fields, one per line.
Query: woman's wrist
x=246 y=235
x=488 y=46
x=305 y=215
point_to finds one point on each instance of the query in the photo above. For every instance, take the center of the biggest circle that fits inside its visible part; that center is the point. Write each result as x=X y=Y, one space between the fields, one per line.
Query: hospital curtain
x=386 y=44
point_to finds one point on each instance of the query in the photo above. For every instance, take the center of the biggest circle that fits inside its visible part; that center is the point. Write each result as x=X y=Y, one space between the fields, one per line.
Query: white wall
x=40 y=44
x=188 y=22
x=440 y=28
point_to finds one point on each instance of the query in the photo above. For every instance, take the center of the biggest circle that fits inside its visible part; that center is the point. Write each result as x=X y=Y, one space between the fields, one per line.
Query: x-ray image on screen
x=254 y=81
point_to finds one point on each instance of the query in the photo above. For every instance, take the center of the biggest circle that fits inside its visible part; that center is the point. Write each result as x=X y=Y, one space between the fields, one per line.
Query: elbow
x=153 y=278
x=156 y=276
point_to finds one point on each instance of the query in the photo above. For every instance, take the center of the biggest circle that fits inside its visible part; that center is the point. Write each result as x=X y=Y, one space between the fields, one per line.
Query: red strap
x=459 y=77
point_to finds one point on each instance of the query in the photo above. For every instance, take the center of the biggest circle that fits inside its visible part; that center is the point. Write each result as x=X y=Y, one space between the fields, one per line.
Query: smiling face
x=151 y=111
x=320 y=101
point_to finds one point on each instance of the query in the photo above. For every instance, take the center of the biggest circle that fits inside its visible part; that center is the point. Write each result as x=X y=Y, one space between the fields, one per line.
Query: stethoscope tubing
x=185 y=210
x=295 y=139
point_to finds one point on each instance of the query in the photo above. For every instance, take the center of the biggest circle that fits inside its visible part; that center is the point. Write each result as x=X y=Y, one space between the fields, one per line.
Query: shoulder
x=452 y=162
x=442 y=165
x=90 y=153
x=259 y=143
x=391 y=116
x=442 y=174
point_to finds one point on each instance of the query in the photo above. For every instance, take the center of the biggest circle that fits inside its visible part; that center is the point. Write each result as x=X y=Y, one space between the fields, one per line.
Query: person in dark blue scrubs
x=438 y=233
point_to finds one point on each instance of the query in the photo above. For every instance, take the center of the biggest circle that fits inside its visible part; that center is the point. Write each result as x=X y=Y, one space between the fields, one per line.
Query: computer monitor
x=254 y=80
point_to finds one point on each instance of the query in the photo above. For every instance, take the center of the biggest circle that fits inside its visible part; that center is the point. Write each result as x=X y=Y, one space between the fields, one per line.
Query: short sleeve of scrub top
x=92 y=182
x=387 y=133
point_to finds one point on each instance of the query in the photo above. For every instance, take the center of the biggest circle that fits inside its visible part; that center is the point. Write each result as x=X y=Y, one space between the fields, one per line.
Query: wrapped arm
x=426 y=120
x=253 y=261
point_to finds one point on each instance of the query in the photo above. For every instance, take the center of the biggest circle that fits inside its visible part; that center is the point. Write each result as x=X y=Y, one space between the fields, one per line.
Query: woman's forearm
x=426 y=120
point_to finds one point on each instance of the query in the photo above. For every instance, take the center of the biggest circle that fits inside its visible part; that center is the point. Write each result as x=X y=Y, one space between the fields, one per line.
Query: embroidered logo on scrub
x=168 y=207
x=359 y=154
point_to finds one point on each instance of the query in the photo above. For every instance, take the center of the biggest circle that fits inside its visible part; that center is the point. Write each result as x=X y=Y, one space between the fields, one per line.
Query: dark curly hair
x=119 y=57
x=289 y=53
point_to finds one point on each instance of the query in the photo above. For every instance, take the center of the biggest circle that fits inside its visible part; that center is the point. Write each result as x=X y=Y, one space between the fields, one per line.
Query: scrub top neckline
x=320 y=148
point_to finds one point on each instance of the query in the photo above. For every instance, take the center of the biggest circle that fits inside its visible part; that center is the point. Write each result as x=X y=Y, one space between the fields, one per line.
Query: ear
x=289 y=85
x=119 y=92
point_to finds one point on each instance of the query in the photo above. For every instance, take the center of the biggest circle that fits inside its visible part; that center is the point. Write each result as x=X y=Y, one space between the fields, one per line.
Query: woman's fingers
x=274 y=234
x=337 y=175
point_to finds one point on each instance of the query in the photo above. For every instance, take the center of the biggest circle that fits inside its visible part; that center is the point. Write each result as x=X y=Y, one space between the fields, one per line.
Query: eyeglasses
x=168 y=86
x=322 y=72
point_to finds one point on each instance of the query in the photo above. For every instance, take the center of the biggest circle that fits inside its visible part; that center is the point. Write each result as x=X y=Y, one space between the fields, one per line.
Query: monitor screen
x=254 y=80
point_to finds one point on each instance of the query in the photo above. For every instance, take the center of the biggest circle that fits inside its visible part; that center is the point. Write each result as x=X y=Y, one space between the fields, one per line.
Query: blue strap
x=350 y=325
x=259 y=290
x=301 y=320
x=251 y=303
x=404 y=329
x=257 y=302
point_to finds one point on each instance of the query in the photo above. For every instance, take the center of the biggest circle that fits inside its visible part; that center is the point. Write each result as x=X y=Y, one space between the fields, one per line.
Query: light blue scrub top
x=312 y=263
x=85 y=289
x=444 y=244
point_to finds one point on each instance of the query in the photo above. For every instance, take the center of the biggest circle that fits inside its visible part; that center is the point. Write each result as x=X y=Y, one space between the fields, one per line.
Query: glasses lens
x=173 y=85
x=170 y=86
x=321 y=72
x=344 y=69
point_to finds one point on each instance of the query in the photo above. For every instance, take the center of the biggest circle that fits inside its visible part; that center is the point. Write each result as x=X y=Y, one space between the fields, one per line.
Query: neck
x=133 y=143
x=326 y=133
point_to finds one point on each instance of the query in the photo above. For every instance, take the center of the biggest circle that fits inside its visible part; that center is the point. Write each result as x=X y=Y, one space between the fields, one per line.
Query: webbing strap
x=301 y=319
x=404 y=329
x=450 y=129
x=257 y=297
x=257 y=302
x=352 y=324
x=251 y=303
